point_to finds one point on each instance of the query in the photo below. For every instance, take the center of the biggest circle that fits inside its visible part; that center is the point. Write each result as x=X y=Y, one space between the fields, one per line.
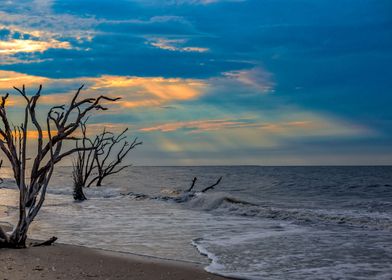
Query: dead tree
x=94 y=162
x=106 y=165
x=61 y=123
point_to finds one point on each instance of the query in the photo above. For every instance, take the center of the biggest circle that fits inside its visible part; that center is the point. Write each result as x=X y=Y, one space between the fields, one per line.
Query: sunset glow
x=191 y=78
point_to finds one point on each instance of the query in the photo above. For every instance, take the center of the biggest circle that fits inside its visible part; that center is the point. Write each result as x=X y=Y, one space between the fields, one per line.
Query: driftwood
x=193 y=184
x=212 y=186
x=48 y=242
x=61 y=123
x=183 y=196
x=205 y=189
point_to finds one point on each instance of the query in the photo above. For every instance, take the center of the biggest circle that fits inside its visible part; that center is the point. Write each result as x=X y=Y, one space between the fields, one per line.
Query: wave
x=216 y=267
x=366 y=214
x=222 y=203
x=94 y=192
x=211 y=201
x=374 y=214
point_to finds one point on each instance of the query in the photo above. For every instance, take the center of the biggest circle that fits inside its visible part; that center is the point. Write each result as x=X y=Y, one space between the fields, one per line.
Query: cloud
x=28 y=46
x=288 y=126
x=175 y=45
x=244 y=139
x=257 y=78
x=197 y=126
x=158 y=42
x=135 y=91
x=8 y=79
x=149 y=91
x=46 y=24
x=31 y=29
x=9 y=60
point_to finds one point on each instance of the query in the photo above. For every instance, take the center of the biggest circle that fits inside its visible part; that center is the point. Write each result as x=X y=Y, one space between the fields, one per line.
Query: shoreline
x=64 y=261
x=61 y=261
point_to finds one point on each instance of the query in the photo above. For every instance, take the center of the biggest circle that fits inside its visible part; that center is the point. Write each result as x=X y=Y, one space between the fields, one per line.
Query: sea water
x=258 y=223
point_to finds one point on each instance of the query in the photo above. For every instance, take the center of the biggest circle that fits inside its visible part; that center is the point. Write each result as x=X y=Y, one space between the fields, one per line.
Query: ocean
x=258 y=223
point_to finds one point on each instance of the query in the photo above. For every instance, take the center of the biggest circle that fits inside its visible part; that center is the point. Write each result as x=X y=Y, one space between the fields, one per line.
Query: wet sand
x=73 y=262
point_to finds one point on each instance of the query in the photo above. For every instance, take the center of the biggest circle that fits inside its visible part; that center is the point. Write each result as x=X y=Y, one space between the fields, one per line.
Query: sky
x=214 y=82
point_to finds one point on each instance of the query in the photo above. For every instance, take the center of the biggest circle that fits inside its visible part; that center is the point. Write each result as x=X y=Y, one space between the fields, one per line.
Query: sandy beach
x=61 y=261
x=73 y=262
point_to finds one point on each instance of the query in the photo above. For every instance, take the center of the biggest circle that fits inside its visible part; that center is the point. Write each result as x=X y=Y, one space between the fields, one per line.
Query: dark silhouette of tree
x=99 y=158
x=61 y=123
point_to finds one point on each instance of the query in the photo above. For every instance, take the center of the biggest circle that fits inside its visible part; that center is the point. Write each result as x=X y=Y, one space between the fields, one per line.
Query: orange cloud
x=140 y=103
x=10 y=78
x=92 y=130
x=154 y=88
x=135 y=91
x=32 y=134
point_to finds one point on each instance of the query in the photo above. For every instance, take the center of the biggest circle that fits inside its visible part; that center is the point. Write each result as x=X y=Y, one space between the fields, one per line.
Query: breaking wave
x=225 y=204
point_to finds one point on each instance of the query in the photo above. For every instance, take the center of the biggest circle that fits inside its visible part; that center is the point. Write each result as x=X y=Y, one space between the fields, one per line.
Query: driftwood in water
x=181 y=197
x=205 y=189
x=193 y=184
x=212 y=186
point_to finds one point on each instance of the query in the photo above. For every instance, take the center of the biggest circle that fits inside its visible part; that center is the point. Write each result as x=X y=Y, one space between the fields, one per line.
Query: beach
x=73 y=262
x=260 y=223
x=61 y=261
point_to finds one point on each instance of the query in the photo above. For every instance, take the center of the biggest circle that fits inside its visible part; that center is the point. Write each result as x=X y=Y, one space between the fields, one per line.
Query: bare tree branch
x=106 y=168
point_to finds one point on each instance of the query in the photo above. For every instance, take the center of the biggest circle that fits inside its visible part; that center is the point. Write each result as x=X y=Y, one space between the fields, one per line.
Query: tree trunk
x=16 y=240
x=78 y=193
x=31 y=201
x=99 y=182
x=12 y=245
